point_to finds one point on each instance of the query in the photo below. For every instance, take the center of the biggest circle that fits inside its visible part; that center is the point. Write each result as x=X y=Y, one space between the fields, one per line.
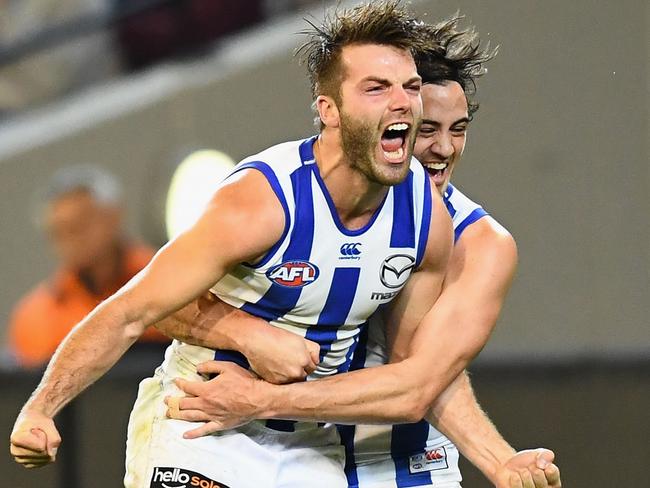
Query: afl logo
x=293 y=274
x=396 y=269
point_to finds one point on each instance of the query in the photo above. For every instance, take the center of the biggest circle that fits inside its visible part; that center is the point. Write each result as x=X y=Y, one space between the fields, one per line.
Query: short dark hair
x=384 y=22
x=456 y=55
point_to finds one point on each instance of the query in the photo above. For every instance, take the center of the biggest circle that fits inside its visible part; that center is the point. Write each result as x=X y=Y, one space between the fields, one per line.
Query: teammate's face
x=380 y=110
x=80 y=230
x=441 y=139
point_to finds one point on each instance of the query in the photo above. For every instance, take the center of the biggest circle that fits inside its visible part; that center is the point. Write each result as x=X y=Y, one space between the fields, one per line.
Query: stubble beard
x=359 y=140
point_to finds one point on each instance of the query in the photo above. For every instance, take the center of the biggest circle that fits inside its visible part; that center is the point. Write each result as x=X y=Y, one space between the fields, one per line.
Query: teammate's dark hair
x=383 y=22
x=458 y=56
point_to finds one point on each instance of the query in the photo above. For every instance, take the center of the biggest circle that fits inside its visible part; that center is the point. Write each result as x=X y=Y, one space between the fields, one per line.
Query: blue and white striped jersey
x=404 y=455
x=321 y=280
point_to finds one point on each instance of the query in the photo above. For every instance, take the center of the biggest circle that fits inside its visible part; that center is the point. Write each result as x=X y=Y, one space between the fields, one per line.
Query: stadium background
x=558 y=153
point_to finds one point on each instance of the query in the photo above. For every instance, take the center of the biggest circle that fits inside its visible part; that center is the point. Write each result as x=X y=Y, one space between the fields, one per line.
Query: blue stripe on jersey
x=406 y=440
x=403 y=232
x=279 y=300
x=306 y=150
x=470 y=219
x=448 y=193
x=232 y=356
x=336 y=309
x=450 y=207
x=426 y=222
x=266 y=170
x=346 y=433
x=359 y=358
x=345 y=367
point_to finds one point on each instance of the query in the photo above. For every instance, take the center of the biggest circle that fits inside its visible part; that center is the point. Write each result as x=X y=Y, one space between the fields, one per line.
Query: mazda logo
x=396 y=269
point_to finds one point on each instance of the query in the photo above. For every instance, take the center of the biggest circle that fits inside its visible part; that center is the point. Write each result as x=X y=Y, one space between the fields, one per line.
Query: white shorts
x=251 y=456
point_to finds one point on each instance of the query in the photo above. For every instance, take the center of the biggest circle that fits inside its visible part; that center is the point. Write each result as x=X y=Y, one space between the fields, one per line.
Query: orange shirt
x=44 y=316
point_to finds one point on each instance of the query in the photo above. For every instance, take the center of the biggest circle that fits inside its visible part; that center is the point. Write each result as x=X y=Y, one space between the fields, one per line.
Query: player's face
x=80 y=230
x=380 y=110
x=441 y=139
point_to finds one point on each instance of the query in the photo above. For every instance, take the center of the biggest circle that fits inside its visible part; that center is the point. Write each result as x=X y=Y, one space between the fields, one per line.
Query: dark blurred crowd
x=95 y=40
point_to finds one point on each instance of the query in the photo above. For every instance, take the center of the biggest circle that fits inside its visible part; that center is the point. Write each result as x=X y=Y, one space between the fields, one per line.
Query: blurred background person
x=82 y=219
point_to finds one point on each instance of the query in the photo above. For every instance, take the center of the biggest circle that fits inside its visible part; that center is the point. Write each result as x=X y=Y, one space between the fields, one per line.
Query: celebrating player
x=270 y=240
x=481 y=267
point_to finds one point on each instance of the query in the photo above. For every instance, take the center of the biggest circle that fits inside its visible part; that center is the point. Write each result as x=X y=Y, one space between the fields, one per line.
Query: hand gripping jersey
x=404 y=455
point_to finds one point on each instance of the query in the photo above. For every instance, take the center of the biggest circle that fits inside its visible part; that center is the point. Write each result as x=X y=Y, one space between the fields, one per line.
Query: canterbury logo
x=396 y=269
x=350 y=249
x=434 y=455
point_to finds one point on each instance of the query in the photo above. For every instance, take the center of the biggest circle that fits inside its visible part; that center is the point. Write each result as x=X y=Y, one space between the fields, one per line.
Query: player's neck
x=355 y=197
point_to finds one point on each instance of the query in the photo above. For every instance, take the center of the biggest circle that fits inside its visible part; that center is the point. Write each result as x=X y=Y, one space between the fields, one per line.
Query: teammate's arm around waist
x=276 y=355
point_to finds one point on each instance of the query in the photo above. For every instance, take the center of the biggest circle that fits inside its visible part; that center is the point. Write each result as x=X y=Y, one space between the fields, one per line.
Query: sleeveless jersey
x=321 y=280
x=405 y=454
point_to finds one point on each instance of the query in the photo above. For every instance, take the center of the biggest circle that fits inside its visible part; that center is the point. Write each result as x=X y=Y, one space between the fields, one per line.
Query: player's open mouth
x=393 y=142
x=437 y=171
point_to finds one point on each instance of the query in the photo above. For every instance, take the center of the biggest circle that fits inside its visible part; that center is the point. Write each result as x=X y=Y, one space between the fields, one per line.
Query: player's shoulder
x=489 y=244
x=489 y=231
x=267 y=176
x=282 y=158
x=479 y=229
x=460 y=205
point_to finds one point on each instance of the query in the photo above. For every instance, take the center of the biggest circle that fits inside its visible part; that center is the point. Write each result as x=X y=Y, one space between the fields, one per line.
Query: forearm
x=90 y=349
x=209 y=322
x=387 y=394
x=457 y=414
x=189 y=324
x=179 y=325
x=393 y=393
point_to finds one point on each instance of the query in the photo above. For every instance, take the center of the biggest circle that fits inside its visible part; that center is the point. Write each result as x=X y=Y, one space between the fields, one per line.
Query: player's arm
x=480 y=273
x=276 y=355
x=178 y=273
x=479 y=277
x=457 y=414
